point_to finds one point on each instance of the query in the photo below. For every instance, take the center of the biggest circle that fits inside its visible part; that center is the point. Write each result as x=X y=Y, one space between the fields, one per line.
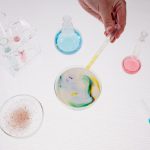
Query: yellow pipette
x=99 y=51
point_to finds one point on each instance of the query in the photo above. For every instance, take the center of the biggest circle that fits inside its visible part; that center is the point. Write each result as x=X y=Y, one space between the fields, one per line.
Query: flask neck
x=67 y=26
x=140 y=44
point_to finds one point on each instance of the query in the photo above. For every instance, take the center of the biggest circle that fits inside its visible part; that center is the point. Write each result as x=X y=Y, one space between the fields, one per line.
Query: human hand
x=112 y=13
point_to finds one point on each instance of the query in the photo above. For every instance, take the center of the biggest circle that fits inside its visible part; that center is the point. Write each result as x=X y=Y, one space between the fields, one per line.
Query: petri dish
x=77 y=88
x=131 y=64
x=21 y=116
x=68 y=44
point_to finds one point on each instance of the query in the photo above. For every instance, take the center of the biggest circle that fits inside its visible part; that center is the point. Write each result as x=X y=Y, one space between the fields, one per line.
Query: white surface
x=117 y=121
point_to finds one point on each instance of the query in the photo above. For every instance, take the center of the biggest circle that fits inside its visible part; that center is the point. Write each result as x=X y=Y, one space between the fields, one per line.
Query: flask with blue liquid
x=68 y=40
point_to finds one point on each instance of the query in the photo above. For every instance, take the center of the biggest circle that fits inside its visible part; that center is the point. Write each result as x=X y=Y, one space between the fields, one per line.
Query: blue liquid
x=149 y=120
x=68 y=44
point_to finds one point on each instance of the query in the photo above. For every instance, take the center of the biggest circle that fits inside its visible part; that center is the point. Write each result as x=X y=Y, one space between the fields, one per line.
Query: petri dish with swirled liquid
x=77 y=88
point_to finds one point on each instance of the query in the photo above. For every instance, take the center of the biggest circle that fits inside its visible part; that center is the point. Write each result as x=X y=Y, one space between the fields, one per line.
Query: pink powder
x=20 y=118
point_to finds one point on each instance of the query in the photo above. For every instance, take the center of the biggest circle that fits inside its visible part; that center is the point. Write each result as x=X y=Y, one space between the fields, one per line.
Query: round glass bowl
x=131 y=64
x=68 y=40
x=77 y=88
x=68 y=43
x=21 y=116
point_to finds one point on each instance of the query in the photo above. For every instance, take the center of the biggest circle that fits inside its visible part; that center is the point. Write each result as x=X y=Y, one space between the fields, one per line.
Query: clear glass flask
x=132 y=64
x=68 y=40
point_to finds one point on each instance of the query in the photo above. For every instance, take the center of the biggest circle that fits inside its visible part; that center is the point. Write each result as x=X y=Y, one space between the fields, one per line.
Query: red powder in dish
x=20 y=118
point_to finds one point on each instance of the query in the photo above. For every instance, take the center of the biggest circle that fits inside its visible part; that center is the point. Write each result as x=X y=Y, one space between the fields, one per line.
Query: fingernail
x=112 y=39
x=109 y=29
x=105 y=33
x=117 y=36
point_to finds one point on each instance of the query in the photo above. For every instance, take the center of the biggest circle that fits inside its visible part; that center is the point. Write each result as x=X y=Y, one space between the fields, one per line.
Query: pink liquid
x=131 y=64
x=22 y=56
x=17 y=39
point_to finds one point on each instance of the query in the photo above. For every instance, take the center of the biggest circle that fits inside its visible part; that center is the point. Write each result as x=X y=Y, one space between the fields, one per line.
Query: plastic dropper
x=100 y=50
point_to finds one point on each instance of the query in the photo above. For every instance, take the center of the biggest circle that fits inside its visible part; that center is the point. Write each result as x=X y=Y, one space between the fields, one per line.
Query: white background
x=117 y=121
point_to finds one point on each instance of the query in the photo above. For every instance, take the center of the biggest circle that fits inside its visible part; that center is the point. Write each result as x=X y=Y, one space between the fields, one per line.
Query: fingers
x=121 y=18
x=112 y=15
x=109 y=23
x=90 y=10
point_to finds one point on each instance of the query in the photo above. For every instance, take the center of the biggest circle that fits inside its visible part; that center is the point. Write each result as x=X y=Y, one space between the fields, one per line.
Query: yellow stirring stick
x=100 y=50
